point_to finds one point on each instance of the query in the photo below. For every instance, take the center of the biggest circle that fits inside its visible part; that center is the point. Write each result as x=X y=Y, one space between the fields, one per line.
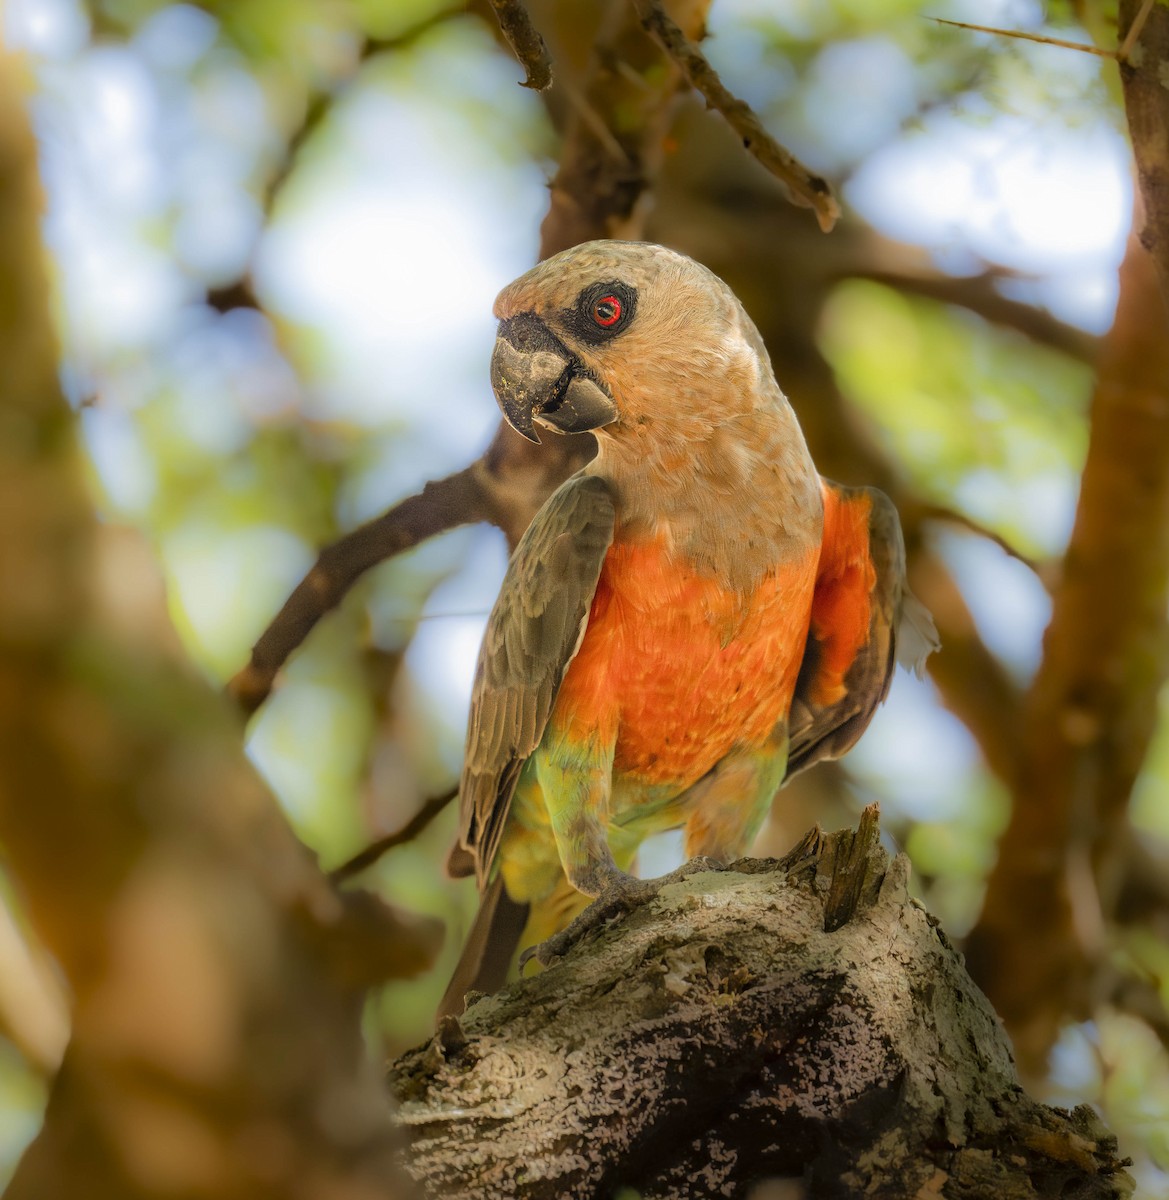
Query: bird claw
x=621 y=895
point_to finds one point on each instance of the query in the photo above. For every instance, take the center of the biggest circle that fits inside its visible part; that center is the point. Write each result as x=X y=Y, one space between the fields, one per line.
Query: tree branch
x=1142 y=78
x=951 y=516
x=977 y=294
x=874 y=1066
x=1090 y=714
x=805 y=187
x=627 y=100
x=413 y=827
x=973 y=684
x=526 y=43
x=443 y=504
x=1021 y=36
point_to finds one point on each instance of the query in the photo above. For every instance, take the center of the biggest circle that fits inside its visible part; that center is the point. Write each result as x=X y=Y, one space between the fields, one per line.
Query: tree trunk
x=800 y=1017
x=215 y=977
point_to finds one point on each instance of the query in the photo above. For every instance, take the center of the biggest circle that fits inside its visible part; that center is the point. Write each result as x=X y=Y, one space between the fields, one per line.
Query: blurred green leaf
x=983 y=420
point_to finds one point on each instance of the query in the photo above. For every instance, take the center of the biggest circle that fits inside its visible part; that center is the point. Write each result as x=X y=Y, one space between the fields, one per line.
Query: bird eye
x=607 y=311
x=602 y=310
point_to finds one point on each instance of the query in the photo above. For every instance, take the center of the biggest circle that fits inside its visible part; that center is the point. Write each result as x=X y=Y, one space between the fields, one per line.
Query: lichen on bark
x=721 y=1035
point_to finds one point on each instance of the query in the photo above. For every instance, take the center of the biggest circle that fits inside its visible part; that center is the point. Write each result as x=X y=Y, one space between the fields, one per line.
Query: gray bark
x=796 y=1018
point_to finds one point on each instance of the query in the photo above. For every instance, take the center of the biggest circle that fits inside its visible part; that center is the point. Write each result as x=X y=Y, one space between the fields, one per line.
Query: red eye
x=607 y=311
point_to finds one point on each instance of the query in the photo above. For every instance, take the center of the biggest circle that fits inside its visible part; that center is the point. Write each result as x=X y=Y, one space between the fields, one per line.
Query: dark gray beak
x=538 y=380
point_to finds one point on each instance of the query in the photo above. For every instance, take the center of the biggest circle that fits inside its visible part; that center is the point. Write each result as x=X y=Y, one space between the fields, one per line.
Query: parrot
x=690 y=620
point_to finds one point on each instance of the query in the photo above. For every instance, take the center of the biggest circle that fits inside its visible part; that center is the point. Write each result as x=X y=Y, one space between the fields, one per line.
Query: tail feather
x=489 y=949
x=917 y=635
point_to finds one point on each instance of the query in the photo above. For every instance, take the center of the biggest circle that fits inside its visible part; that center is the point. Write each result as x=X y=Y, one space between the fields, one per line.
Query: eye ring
x=607 y=311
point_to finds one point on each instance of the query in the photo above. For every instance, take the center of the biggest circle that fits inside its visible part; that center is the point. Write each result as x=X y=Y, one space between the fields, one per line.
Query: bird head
x=608 y=333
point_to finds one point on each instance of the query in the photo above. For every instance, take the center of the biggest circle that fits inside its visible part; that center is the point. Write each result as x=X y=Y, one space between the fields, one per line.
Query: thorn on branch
x=526 y=43
x=1041 y=39
x=805 y=187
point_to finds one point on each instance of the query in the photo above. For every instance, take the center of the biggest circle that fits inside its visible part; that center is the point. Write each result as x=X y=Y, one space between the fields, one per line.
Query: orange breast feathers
x=676 y=669
x=842 y=605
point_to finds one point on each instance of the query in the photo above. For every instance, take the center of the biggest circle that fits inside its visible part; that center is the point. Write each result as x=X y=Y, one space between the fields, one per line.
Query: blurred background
x=276 y=231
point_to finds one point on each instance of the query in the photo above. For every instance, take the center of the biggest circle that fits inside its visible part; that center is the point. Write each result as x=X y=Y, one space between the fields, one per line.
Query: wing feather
x=862 y=571
x=532 y=635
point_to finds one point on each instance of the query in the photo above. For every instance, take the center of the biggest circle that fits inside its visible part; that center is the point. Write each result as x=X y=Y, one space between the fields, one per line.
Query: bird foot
x=621 y=895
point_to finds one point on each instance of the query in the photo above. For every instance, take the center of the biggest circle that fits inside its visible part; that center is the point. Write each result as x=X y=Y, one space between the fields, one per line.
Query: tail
x=489 y=948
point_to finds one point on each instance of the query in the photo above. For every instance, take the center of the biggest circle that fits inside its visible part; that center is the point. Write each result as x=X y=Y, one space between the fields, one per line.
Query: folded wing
x=533 y=633
x=864 y=620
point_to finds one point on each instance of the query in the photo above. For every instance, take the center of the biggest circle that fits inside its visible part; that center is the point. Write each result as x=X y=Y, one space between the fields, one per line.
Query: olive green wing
x=533 y=633
x=862 y=575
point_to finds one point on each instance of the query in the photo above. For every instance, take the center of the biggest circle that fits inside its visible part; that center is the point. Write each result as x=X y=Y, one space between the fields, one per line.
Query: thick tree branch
x=794 y=1018
x=1142 y=77
x=1091 y=711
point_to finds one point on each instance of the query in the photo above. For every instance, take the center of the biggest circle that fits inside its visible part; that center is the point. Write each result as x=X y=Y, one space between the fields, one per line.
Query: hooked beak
x=538 y=380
